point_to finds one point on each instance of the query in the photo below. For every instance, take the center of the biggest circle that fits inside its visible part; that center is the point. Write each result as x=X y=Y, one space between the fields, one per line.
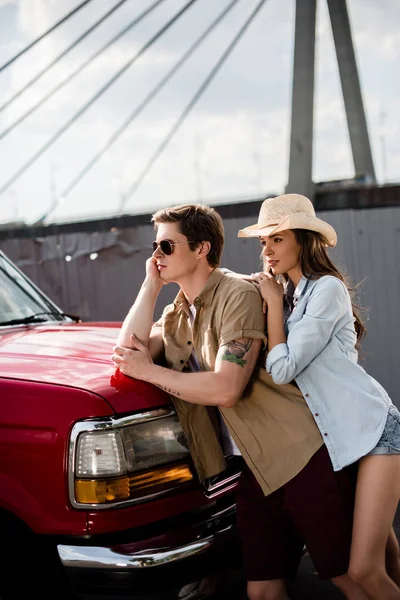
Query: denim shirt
x=349 y=407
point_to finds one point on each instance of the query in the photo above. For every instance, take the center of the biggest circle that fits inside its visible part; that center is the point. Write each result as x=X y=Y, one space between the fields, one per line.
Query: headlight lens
x=128 y=459
x=155 y=443
x=100 y=453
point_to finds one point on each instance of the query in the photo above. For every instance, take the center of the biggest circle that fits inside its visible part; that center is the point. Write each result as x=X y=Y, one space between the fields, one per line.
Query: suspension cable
x=92 y=100
x=43 y=35
x=85 y=170
x=189 y=107
x=54 y=62
x=72 y=75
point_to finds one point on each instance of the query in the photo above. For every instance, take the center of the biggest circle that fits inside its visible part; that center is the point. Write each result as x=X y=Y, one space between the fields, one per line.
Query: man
x=210 y=338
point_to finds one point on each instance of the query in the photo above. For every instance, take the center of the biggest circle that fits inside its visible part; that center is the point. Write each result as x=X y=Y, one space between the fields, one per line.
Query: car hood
x=75 y=355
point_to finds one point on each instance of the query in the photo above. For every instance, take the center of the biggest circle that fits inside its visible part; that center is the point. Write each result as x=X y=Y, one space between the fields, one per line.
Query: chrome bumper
x=95 y=557
x=192 y=562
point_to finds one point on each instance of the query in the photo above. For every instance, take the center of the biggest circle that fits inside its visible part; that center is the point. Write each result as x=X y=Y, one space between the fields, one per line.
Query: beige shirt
x=271 y=424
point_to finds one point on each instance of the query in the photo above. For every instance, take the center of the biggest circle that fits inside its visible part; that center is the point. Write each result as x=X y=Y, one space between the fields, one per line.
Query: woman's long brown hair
x=315 y=262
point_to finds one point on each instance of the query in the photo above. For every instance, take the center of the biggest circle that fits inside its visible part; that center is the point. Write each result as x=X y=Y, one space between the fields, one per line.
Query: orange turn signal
x=117 y=489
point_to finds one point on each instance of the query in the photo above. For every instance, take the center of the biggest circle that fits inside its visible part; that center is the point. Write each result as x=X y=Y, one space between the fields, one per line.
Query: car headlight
x=100 y=453
x=127 y=459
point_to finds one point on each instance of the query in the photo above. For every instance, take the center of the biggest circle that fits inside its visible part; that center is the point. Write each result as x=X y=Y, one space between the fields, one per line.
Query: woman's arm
x=275 y=323
x=328 y=309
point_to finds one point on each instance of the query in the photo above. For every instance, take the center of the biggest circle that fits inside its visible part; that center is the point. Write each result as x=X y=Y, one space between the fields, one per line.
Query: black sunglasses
x=166 y=246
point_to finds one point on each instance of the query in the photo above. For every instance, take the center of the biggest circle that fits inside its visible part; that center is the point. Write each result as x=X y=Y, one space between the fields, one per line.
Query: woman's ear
x=203 y=249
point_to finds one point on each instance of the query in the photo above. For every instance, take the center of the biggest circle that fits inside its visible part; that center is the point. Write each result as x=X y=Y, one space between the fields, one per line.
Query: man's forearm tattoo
x=234 y=352
x=168 y=390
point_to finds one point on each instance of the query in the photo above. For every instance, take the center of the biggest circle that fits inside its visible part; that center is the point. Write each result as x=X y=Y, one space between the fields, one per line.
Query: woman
x=316 y=347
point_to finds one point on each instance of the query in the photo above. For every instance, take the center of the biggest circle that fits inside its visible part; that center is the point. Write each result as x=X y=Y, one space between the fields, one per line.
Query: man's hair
x=198 y=223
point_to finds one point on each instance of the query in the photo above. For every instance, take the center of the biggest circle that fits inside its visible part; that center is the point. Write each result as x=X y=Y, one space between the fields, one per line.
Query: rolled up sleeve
x=243 y=318
x=328 y=309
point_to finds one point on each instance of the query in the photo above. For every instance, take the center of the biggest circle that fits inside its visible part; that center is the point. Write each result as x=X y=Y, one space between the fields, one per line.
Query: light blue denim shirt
x=349 y=407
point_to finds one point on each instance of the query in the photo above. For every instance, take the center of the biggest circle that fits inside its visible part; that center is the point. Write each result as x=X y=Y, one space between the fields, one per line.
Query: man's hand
x=152 y=272
x=133 y=362
x=139 y=319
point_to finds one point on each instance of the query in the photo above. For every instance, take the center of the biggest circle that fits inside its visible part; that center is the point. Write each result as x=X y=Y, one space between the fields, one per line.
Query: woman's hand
x=270 y=289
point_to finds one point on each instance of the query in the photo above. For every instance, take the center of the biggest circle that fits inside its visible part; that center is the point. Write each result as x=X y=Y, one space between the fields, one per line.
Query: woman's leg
x=350 y=589
x=377 y=497
x=393 y=557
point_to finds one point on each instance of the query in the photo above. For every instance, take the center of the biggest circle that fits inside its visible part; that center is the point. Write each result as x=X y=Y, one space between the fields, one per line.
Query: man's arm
x=222 y=387
x=139 y=320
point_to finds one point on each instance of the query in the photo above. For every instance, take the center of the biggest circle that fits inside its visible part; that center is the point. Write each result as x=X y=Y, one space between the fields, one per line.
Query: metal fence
x=97 y=274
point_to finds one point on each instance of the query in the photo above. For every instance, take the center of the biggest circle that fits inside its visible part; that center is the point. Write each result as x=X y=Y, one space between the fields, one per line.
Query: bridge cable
x=50 y=65
x=68 y=189
x=72 y=75
x=43 y=35
x=189 y=107
x=92 y=100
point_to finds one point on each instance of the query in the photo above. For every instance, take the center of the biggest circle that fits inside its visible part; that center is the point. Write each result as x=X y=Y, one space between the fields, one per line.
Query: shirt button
x=316 y=415
x=189 y=342
x=325 y=434
x=307 y=395
x=181 y=361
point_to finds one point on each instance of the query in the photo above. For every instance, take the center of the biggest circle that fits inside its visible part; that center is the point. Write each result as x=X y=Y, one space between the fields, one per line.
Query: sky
x=234 y=144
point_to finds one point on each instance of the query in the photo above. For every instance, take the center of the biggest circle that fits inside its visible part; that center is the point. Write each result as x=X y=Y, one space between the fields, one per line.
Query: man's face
x=182 y=262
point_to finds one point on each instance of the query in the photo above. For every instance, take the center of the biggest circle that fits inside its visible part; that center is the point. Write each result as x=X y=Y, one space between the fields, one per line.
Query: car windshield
x=20 y=301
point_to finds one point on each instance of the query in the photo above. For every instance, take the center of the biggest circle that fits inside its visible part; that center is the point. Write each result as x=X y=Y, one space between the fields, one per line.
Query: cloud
x=234 y=143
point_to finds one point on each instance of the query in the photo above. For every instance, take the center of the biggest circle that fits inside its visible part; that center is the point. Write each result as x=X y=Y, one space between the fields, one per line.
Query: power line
x=85 y=107
x=190 y=106
x=52 y=63
x=67 y=190
x=43 y=35
x=72 y=75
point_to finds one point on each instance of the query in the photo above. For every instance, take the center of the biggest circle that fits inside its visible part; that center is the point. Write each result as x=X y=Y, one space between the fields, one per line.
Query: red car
x=98 y=494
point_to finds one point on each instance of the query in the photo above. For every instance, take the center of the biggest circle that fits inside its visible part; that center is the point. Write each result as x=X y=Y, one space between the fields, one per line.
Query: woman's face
x=281 y=253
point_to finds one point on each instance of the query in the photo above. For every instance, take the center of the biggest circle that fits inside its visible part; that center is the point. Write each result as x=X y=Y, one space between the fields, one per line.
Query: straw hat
x=290 y=211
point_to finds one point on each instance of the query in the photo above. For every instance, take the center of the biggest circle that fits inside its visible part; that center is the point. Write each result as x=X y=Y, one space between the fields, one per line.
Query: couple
x=320 y=438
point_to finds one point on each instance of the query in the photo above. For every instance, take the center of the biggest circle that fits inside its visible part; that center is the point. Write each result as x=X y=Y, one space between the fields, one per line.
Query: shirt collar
x=299 y=289
x=206 y=295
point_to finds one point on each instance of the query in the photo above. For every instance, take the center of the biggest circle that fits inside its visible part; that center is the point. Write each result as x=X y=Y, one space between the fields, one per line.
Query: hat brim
x=256 y=231
x=293 y=221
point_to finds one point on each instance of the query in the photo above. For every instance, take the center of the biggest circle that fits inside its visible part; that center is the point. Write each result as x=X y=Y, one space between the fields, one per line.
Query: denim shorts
x=389 y=442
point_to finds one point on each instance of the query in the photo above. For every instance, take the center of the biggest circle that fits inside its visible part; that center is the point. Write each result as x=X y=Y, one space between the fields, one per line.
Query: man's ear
x=203 y=249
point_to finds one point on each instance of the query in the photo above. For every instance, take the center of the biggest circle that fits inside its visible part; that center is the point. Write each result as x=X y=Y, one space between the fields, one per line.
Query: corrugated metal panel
x=368 y=252
x=369 y=247
x=337 y=197
x=98 y=290
x=104 y=289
